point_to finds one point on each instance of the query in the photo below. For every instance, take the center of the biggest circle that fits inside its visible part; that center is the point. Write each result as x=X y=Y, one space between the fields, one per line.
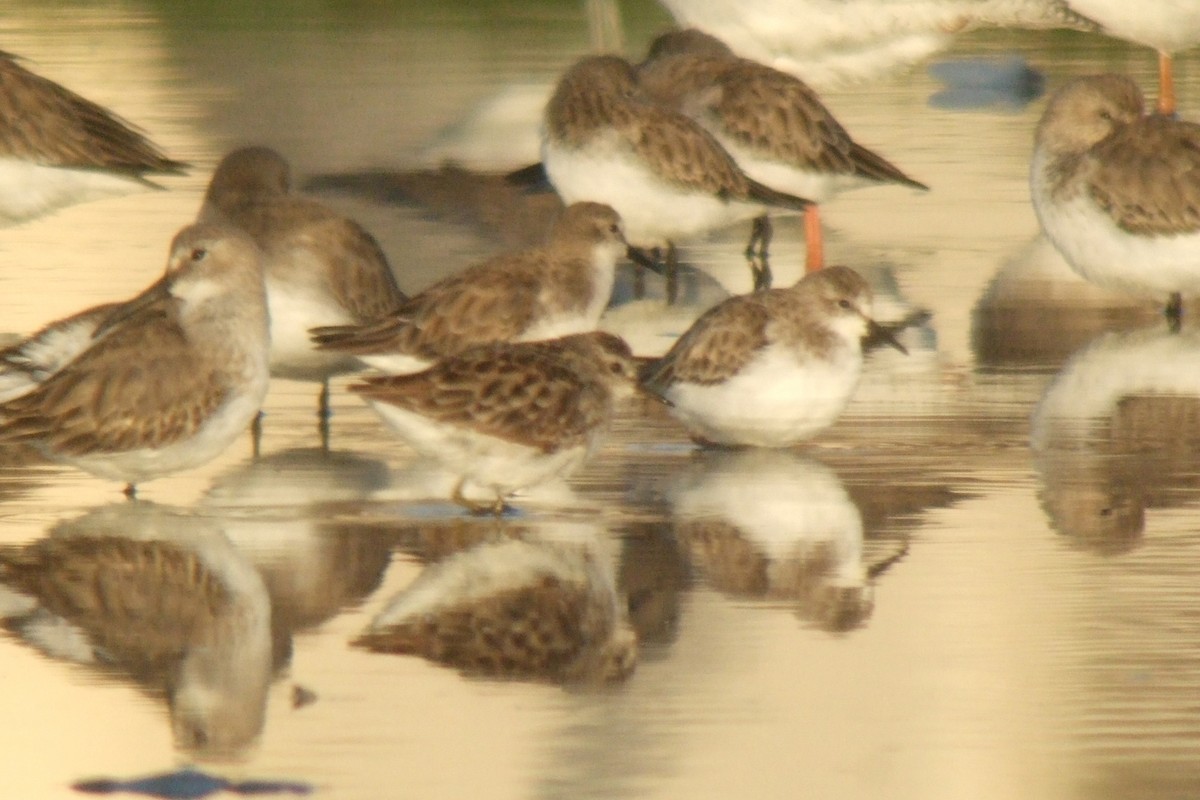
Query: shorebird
x=604 y=140
x=771 y=368
x=559 y=288
x=1117 y=191
x=170 y=377
x=504 y=417
x=57 y=148
x=321 y=268
x=772 y=123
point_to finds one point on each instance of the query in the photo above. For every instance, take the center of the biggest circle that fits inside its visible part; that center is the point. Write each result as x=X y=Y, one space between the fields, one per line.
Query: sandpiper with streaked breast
x=170 y=378
x=1117 y=191
x=504 y=417
x=771 y=368
x=556 y=289
x=772 y=123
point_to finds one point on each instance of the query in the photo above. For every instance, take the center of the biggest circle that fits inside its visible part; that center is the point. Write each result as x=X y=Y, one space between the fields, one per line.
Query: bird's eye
x=614 y=228
x=198 y=253
x=1106 y=115
x=844 y=303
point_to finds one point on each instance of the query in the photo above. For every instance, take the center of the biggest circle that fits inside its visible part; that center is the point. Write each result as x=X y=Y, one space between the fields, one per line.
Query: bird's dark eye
x=198 y=253
x=614 y=228
x=844 y=303
x=1106 y=115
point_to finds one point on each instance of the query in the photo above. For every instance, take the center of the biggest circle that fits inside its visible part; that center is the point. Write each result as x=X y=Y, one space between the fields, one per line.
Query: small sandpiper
x=1117 y=191
x=771 y=368
x=505 y=417
x=320 y=267
x=606 y=140
x=170 y=378
x=557 y=289
x=772 y=123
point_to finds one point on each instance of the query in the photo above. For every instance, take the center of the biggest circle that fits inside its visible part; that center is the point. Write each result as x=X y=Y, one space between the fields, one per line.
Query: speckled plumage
x=507 y=416
x=41 y=354
x=49 y=124
x=559 y=288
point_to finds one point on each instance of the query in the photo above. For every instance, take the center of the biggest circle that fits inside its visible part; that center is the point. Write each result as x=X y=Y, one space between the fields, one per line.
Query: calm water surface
x=983 y=582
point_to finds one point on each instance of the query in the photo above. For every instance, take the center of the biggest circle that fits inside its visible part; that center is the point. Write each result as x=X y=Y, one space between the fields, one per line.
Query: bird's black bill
x=878 y=335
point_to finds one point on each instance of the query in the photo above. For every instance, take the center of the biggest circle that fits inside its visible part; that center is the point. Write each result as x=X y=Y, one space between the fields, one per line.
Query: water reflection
x=297 y=516
x=1116 y=433
x=156 y=596
x=772 y=524
x=1036 y=311
x=520 y=608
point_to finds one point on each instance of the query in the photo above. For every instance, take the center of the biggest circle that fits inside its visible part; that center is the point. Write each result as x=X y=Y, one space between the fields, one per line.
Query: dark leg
x=493 y=509
x=1174 y=311
x=761 y=232
x=256 y=434
x=323 y=415
x=672 y=268
x=642 y=261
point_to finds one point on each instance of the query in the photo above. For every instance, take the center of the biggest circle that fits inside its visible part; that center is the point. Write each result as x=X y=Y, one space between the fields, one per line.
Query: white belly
x=775 y=401
x=294 y=312
x=218 y=432
x=653 y=211
x=1151 y=265
x=1168 y=25
x=484 y=461
x=31 y=190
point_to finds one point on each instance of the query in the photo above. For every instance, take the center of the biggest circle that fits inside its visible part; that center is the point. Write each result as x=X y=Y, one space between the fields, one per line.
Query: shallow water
x=982 y=582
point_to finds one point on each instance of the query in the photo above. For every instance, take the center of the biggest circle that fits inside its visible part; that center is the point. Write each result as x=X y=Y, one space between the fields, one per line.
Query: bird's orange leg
x=1166 y=85
x=815 y=245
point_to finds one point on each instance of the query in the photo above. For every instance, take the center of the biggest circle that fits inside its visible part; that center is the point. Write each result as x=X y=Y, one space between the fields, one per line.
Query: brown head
x=845 y=299
x=690 y=42
x=590 y=225
x=588 y=95
x=604 y=356
x=248 y=173
x=1086 y=111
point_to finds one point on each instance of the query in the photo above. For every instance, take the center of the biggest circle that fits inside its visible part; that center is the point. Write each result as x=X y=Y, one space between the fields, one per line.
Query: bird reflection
x=517 y=608
x=1036 y=311
x=156 y=595
x=298 y=515
x=1116 y=433
x=771 y=524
